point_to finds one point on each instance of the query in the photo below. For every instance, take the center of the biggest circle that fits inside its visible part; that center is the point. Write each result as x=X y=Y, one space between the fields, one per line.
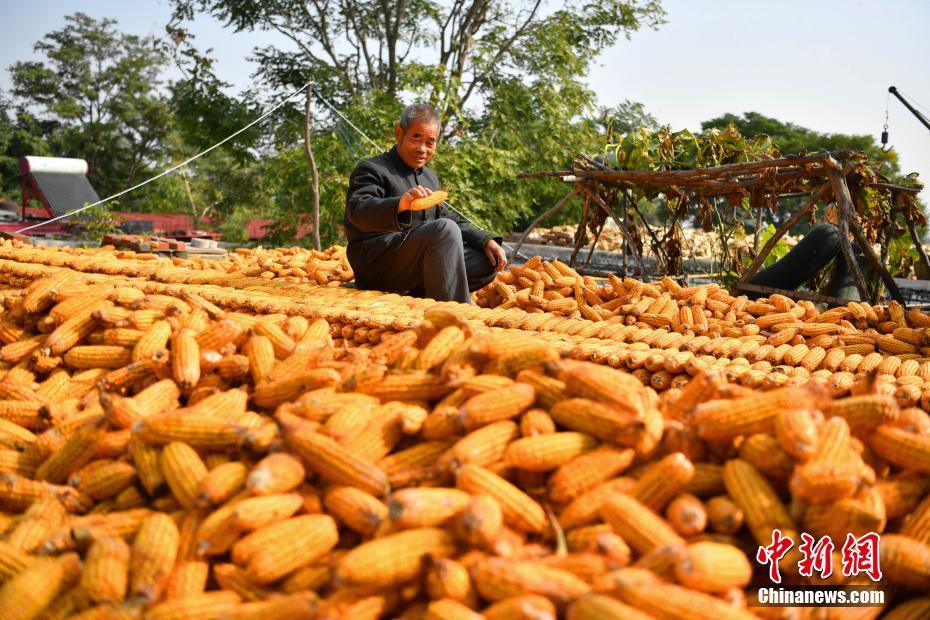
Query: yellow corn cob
x=114 y=524
x=269 y=394
x=107 y=480
x=900 y=447
x=41 y=293
x=184 y=470
x=187 y=579
x=23 y=413
x=596 y=606
x=231 y=577
x=796 y=433
x=154 y=550
x=764 y=452
x=185 y=358
x=282 y=344
x=336 y=463
x=122 y=337
x=427 y=202
x=914 y=609
x=106 y=569
x=864 y=413
x=272 y=557
x=73 y=330
x=713 y=567
x=439 y=348
x=257 y=512
x=636 y=524
x=686 y=515
x=220 y=483
x=197 y=431
x=276 y=473
x=449 y=609
x=261 y=358
x=195 y=607
x=724 y=516
x=37 y=523
x=26 y=594
x=147 y=460
x=348 y=423
x=547 y=452
x=497 y=579
x=587 y=471
x=496 y=405
x=905 y=561
x=760 y=504
x=549 y=390
x=55 y=387
x=522 y=607
x=536 y=422
x=901 y=496
x=602 y=421
x=394 y=558
x=890 y=344
x=356 y=509
x=425 y=507
x=519 y=510
x=12 y=561
x=603 y=384
x=663 y=600
x=723 y=420
x=858 y=515
x=483 y=446
x=449 y=579
x=77 y=451
x=480 y=521
x=662 y=480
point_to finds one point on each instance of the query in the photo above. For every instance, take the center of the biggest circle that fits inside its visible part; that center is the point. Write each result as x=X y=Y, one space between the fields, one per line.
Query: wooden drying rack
x=822 y=177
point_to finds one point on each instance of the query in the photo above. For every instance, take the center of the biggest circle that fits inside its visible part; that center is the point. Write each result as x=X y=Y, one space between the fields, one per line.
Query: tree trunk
x=314 y=176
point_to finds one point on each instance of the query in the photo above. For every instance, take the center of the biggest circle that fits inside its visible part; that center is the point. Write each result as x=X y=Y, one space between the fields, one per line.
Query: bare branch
x=504 y=49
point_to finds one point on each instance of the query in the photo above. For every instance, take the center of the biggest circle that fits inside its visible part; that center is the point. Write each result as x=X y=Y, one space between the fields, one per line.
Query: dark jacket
x=372 y=223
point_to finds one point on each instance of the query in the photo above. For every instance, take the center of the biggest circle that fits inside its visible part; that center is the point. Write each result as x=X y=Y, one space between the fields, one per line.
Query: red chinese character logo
x=817 y=556
x=773 y=553
x=860 y=555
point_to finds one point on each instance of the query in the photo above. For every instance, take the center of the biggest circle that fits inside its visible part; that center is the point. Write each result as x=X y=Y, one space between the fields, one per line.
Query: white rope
x=340 y=115
x=173 y=168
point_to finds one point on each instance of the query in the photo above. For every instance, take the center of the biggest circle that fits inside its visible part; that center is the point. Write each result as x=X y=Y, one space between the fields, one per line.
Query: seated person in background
x=433 y=253
x=819 y=246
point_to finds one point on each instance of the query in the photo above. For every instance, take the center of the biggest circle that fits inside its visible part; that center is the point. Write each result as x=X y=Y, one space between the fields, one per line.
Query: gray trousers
x=819 y=246
x=431 y=262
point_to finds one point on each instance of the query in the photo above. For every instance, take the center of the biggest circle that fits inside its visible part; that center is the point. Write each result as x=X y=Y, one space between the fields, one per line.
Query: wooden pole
x=314 y=175
x=875 y=261
x=623 y=229
x=846 y=211
x=561 y=203
x=917 y=244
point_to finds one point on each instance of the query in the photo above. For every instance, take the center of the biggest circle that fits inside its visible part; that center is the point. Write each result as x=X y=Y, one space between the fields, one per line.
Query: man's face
x=417 y=145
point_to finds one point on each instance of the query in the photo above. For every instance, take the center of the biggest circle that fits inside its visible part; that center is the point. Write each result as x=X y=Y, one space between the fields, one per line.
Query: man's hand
x=412 y=194
x=496 y=255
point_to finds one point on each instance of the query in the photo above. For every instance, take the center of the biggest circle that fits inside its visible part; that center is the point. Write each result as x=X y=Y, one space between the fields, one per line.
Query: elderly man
x=430 y=253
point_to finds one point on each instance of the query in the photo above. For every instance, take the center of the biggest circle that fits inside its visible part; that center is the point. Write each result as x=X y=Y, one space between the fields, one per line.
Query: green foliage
x=505 y=77
x=792 y=139
x=94 y=95
x=778 y=252
x=94 y=223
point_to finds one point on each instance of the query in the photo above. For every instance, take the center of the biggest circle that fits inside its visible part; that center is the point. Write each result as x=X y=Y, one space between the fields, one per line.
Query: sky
x=822 y=64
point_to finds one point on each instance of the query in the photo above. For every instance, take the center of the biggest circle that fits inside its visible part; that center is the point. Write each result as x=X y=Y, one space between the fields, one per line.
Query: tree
x=792 y=139
x=96 y=95
x=503 y=75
